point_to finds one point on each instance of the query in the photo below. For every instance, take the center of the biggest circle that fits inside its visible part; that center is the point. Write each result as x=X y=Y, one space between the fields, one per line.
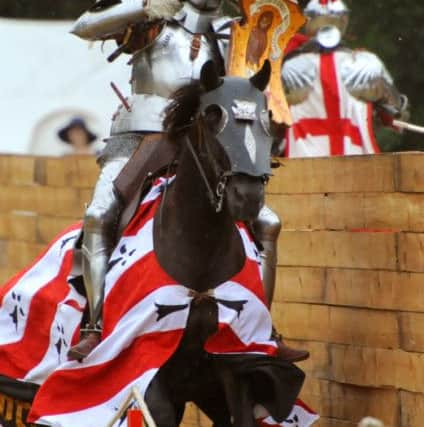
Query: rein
x=215 y=197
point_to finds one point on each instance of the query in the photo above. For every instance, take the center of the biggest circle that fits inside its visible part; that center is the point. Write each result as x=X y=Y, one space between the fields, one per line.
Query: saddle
x=156 y=156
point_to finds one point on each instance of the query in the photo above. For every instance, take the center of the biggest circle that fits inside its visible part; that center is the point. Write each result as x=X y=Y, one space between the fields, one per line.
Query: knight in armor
x=169 y=42
x=333 y=91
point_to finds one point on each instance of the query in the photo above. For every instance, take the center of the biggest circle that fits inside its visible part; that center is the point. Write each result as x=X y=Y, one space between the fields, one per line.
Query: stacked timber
x=350 y=277
x=39 y=197
x=351 y=283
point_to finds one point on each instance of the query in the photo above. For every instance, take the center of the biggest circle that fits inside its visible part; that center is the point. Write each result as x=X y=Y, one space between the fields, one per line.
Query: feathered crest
x=182 y=111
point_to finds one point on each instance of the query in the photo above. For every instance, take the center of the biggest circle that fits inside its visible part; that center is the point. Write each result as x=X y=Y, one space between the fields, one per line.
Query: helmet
x=206 y=5
x=322 y=13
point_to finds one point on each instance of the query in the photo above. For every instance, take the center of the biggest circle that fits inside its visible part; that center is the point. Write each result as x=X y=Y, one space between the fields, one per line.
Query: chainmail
x=122 y=145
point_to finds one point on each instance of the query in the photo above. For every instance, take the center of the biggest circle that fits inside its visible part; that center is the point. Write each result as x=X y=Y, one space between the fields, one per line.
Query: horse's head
x=229 y=137
x=235 y=113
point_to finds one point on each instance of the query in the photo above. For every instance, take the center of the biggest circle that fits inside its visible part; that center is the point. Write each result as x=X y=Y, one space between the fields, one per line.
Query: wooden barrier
x=350 y=277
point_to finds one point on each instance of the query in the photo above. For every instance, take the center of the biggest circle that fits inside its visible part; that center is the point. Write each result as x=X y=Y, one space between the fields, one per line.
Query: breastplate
x=174 y=59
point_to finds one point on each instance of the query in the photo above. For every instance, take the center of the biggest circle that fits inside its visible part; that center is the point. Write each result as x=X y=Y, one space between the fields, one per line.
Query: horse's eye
x=216 y=118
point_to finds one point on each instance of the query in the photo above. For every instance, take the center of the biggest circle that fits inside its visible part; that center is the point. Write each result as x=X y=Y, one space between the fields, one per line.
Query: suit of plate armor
x=183 y=41
x=332 y=90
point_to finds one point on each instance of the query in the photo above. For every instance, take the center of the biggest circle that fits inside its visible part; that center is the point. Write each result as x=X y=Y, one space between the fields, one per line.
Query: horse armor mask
x=241 y=113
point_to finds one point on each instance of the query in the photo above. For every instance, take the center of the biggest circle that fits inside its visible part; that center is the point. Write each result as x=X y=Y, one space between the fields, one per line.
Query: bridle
x=216 y=196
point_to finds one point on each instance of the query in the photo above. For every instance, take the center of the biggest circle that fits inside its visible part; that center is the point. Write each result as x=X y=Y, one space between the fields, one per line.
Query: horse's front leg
x=238 y=397
x=161 y=407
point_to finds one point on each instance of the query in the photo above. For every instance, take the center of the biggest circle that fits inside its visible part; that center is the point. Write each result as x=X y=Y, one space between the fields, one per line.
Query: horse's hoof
x=87 y=344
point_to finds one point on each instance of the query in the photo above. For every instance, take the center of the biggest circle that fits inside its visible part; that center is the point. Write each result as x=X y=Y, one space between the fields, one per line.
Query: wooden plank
x=412 y=412
x=387 y=290
x=20 y=254
x=22 y=226
x=334 y=422
x=371 y=367
x=23 y=198
x=376 y=289
x=337 y=249
x=299 y=211
x=318 y=364
x=351 y=211
x=4 y=169
x=6 y=274
x=334 y=175
x=410 y=172
x=411 y=327
x=355 y=326
x=4 y=225
x=21 y=170
x=48 y=227
x=59 y=201
x=75 y=171
x=301 y=284
x=411 y=252
x=352 y=403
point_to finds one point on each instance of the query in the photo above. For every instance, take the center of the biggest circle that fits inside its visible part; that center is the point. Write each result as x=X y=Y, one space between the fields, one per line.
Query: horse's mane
x=182 y=111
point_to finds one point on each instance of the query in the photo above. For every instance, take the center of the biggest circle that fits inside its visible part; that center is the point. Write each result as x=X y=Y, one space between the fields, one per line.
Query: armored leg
x=99 y=238
x=267 y=229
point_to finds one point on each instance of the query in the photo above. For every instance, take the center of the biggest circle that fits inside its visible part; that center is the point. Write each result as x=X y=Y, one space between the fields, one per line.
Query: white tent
x=47 y=77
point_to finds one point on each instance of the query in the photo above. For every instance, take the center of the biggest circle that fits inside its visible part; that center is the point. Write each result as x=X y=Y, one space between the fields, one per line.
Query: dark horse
x=220 y=126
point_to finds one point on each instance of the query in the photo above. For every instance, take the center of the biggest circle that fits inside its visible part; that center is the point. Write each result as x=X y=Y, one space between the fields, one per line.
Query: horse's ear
x=209 y=76
x=261 y=78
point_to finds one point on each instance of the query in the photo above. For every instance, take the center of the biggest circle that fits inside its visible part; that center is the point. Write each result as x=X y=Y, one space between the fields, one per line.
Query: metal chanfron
x=244 y=138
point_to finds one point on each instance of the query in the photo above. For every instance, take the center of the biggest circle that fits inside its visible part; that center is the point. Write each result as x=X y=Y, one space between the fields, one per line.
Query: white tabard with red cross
x=327 y=119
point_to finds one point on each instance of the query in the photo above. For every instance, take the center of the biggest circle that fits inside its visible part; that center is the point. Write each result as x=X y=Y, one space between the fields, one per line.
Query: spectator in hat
x=77 y=135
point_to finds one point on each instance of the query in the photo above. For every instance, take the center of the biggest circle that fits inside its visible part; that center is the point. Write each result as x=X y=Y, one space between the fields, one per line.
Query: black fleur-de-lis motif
x=237 y=306
x=294 y=421
x=65 y=241
x=17 y=311
x=257 y=256
x=61 y=343
x=165 y=310
x=123 y=259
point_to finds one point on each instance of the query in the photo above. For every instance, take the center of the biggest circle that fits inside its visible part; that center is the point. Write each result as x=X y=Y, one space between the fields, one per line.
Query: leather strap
x=154 y=156
x=196 y=43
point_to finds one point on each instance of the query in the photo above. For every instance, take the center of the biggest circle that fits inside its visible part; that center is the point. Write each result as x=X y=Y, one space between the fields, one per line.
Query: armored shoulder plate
x=367 y=79
x=195 y=20
x=298 y=74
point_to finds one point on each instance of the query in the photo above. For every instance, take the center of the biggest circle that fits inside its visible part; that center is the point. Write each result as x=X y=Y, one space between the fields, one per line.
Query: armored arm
x=109 y=19
x=366 y=78
x=298 y=76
